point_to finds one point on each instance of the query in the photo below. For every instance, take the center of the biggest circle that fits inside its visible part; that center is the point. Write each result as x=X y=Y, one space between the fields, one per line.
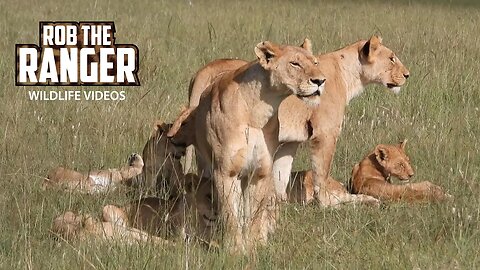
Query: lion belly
x=100 y=183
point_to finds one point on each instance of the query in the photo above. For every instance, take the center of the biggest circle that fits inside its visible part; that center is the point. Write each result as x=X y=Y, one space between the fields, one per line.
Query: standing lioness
x=231 y=140
x=348 y=71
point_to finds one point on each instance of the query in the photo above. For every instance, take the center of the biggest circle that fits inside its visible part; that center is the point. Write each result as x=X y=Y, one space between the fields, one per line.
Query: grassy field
x=437 y=111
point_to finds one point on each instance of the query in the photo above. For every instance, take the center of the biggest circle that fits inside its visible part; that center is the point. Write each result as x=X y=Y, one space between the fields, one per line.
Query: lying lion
x=372 y=176
x=95 y=181
x=300 y=190
x=70 y=226
x=192 y=215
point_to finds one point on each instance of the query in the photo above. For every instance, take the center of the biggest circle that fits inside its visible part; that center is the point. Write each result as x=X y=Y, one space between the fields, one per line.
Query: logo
x=77 y=54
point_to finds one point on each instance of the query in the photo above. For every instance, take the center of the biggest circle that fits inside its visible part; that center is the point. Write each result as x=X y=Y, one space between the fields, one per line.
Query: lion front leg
x=230 y=200
x=424 y=191
x=322 y=150
x=282 y=168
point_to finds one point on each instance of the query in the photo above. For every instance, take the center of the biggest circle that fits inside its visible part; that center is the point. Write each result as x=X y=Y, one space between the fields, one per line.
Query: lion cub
x=300 y=190
x=192 y=215
x=97 y=181
x=372 y=177
x=71 y=226
x=163 y=170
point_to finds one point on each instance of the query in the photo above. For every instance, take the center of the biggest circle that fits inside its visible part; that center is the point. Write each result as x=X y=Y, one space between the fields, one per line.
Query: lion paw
x=135 y=160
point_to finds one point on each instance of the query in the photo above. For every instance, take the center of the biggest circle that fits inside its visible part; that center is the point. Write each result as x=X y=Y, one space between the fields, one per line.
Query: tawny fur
x=229 y=135
x=300 y=190
x=193 y=215
x=372 y=177
x=79 y=227
x=96 y=181
x=199 y=82
x=348 y=71
x=162 y=170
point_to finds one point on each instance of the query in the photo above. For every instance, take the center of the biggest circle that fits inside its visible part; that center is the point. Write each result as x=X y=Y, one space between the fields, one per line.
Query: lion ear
x=381 y=154
x=266 y=52
x=371 y=46
x=307 y=45
x=402 y=144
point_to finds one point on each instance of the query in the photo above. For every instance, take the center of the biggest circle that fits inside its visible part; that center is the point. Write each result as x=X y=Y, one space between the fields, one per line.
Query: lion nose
x=410 y=174
x=406 y=75
x=318 y=82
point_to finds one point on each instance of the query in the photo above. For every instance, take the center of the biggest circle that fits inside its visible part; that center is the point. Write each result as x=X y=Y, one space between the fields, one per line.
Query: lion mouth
x=314 y=94
x=394 y=87
x=209 y=220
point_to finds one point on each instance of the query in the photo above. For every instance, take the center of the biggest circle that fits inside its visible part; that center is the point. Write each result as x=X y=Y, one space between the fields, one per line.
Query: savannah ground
x=437 y=111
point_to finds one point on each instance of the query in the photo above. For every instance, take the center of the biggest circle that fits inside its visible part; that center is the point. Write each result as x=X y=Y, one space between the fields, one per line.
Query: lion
x=194 y=215
x=199 y=82
x=300 y=190
x=230 y=136
x=163 y=170
x=348 y=71
x=70 y=226
x=97 y=181
x=372 y=176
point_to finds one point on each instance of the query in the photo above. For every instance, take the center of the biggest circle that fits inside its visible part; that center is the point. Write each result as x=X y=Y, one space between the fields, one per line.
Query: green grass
x=438 y=111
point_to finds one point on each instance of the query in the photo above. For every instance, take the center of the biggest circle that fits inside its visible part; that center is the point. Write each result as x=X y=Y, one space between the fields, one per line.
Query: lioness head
x=381 y=65
x=292 y=69
x=394 y=160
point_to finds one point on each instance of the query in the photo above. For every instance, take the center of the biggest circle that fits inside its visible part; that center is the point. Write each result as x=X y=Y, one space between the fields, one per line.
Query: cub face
x=394 y=160
x=293 y=69
x=380 y=65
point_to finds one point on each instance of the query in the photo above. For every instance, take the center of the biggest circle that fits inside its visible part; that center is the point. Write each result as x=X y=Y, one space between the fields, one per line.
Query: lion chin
x=394 y=88
x=311 y=101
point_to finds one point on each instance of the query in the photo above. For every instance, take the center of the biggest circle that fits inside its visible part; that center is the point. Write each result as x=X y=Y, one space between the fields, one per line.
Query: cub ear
x=371 y=46
x=402 y=144
x=266 y=52
x=159 y=127
x=381 y=154
x=307 y=45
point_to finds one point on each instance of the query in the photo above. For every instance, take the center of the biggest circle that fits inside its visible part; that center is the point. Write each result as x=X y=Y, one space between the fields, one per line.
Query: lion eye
x=392 y=59
x=295 y=64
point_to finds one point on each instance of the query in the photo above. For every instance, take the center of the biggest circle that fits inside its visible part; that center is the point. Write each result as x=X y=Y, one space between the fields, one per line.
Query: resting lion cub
x=300 y=190
x=192 y=215
x=372 y=177
x=95 y=181
x=71 y=226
